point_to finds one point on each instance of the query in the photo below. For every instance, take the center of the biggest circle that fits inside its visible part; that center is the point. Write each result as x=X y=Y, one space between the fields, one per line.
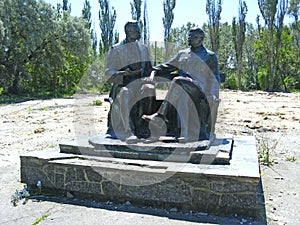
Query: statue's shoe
x=186 y=139
x=150 y=117
x=151 y=140
x=132 y=139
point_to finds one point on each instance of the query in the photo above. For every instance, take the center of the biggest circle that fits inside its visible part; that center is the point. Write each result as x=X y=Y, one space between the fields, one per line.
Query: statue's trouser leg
x=145 y=106
x=179 y=97
x=148 y=98
x=213 y=115
x=124 y=97
x=120 y=113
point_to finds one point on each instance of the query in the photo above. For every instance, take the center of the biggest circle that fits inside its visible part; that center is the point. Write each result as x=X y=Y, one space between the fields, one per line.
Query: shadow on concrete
x=170 y=213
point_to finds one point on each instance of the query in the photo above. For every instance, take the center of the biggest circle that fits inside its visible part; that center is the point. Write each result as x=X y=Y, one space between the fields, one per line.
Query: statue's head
x=196 y=37
x=132 y=31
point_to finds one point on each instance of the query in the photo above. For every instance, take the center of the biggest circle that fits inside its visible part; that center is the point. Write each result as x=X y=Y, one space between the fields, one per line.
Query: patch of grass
x=97 y=102
x=45 y=108
x=43 y=217
x=291 y=159
x=30 y=110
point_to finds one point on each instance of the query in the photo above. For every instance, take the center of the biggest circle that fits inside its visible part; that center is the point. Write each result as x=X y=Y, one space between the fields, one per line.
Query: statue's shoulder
x=118 y=45
x=142 y=45
x=210 y=53
x=184 y=51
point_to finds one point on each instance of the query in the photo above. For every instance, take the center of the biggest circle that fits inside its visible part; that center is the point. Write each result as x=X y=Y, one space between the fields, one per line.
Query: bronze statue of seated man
x=130 y=97
x=193 y=93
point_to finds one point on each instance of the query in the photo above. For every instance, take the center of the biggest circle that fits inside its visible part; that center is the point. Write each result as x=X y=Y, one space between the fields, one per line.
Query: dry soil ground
x=40 y=124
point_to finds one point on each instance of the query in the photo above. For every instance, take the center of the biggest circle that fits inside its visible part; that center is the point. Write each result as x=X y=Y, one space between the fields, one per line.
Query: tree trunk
x=14 y=89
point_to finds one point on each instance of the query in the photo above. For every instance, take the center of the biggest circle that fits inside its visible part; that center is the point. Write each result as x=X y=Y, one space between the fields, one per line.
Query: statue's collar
x=198 y=49
x=125 y=41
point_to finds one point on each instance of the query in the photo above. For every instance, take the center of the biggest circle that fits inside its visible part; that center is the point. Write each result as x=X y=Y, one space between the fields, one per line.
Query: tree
x=86 y=14
x=213 y=10
x=179 y=35
x=25 y=22
x=273 y=15
x=39 y=47
x=238 y=34
x=146 y=32
x=168 y=18
x=136 y=12
x=66 y=7
x=107 y=23
x=294 y=11
x=251 y=66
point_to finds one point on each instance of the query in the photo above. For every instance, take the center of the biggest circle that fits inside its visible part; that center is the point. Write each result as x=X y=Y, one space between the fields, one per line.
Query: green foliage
x=43 y=217
x=157 y=52
x=231 y=81
x=47 y=52
x=290 y=83
x=262 y=77
x=179 y=36
x=44 y=52
x=87 y=16
x=238 y=35
x=291 y=159
x=44 y=108
x=97 y=102
x=94 y=78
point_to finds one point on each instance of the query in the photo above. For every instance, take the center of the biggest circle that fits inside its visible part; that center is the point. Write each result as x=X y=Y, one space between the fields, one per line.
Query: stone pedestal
x=160 y=177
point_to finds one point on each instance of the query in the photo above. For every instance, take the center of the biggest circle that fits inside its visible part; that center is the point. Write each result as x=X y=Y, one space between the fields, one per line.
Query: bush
x=231 y=81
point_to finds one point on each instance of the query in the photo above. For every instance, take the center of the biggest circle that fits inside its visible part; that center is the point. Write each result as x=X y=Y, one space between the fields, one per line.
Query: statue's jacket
x=199 y=64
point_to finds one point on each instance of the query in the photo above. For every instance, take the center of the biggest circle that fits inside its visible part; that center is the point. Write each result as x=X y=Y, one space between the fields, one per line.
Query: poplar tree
x=146 y=33
x=168 y=18
x=142 y=18
x=213 y=10
x=107 y=18
x=294 y=11
x=136 y=12
x=273 y=15
x=87 y=15
x=239 y=34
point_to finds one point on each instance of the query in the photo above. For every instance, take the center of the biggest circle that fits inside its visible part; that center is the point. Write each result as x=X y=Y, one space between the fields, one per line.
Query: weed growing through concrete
x=43 y=217
x=19 y=195
x=266 y=148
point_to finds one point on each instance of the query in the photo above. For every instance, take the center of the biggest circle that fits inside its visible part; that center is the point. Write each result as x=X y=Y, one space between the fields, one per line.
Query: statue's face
x=195 y=39
x=133 y=33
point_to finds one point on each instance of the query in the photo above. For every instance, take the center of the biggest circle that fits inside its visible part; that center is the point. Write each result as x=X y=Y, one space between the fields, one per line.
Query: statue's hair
x=131 y=23
x=198 y=30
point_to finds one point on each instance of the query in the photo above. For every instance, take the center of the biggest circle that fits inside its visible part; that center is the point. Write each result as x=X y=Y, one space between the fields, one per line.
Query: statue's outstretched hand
x=150 y=79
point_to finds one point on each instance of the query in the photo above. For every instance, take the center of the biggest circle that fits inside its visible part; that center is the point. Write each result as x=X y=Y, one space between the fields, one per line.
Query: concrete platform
x=166 y=149
x=216 y=189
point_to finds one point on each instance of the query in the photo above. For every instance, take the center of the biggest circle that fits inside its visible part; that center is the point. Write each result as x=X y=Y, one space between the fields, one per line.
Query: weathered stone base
x=217 y=151
x=216 y=189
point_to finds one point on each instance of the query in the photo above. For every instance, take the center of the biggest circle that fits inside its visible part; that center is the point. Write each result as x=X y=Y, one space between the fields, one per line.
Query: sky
x=185 y=11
